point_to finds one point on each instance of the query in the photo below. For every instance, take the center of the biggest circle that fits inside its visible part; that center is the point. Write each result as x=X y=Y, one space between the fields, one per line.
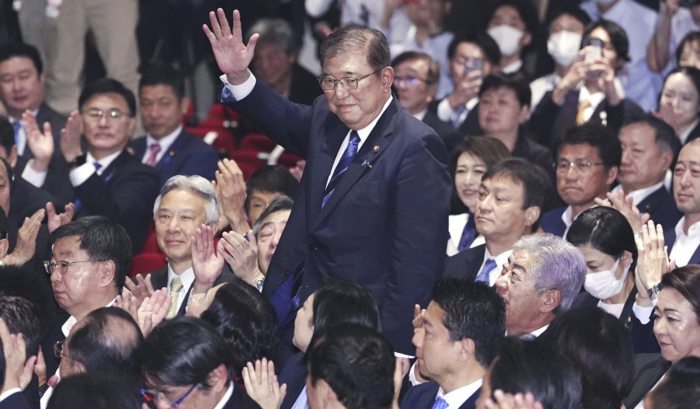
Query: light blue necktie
x=18 y=126
x=343 y=165
x=440 y=403
x=484 y=274
x=458 y=117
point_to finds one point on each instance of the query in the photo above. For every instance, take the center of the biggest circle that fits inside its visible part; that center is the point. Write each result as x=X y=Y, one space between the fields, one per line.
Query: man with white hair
x=185 y=203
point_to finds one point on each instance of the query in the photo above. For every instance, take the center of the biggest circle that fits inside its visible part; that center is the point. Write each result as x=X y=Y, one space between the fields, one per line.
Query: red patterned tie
x=155 y=148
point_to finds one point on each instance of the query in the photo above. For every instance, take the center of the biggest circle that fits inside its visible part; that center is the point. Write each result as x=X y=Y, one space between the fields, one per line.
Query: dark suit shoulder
x=15 y=401
x=420 y=396
x=450 y=136
x=159 y=278
x=240 y=400
x=552 y=222
x=648 y=369
x=465 y=264
x=662 y=208
x=694 y=134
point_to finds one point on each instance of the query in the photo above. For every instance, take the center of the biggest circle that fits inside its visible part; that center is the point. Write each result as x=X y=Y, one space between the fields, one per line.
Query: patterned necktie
x=582 y=107
x=151 y=161
x=18 y=126
x=440 y=403
x=468 y=235
x=484 y=275
x=343 y=165
x=175 y=287
x=459 y=116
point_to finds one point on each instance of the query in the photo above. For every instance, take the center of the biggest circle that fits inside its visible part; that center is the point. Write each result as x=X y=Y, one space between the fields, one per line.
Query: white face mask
x=507 y=38
x=603 y=285
x=563 y=47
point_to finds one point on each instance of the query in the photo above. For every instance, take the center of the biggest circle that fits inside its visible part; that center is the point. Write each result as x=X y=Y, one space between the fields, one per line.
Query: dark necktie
x=343 y=165
x=468 y=235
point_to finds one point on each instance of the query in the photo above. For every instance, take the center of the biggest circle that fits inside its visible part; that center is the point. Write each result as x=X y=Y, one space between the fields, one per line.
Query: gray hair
x=556 y=264
x=196 y=185
x=276 y=31
x=279 y=204
x=354 y=38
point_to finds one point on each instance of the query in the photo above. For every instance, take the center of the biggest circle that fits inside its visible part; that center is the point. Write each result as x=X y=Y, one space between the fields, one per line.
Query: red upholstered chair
x=146 y=263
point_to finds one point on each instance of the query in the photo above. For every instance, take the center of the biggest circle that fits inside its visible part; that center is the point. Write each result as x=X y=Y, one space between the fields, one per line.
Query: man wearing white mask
x=565 y=36
x=512 y=25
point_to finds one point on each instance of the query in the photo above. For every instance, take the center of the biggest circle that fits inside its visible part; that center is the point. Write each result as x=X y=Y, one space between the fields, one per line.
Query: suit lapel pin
x=366 y=163
x=376 y=148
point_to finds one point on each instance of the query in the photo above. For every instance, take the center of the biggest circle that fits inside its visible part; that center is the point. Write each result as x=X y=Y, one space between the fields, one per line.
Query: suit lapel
x=695 y=259
x=471 y=402
x=335 y=133
x=475 y=261
x=117 y=163
x=174 y=148
x=377 y=143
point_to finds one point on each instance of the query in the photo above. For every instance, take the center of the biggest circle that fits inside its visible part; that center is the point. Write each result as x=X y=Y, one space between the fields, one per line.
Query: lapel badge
x=376 y=148
x=366 y=163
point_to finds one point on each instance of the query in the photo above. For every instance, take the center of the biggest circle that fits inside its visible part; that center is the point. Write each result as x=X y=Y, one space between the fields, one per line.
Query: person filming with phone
x=589 y=92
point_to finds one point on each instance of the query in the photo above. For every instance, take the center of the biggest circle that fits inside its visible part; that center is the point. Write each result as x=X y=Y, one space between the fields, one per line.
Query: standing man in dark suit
x=185 y=361
x=648 y=149
x=22 y=89
x=511 y=198
x=455 y=344
x=106 y=180
x=683 y=241
x=375 y=188
x=416 y=82
x=167 y=147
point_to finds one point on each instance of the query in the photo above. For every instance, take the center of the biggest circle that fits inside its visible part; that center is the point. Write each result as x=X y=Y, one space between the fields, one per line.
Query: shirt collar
x=641 y=194
x=684 y=136
x=499 y=259
x=71 y=321
x=419 y=116
x=513 y=67
x=364 y=132
x=187 y=277
x=12 y=119
x=165 y=141
x=457 y=397
x=693 y=230
x=224 y=400
x=104 y=162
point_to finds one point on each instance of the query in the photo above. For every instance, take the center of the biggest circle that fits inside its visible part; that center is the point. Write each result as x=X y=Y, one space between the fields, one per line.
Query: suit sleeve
x=202 y=162
x=420 y=217
x=284 y=122
x=542 y=119
x=14 y=401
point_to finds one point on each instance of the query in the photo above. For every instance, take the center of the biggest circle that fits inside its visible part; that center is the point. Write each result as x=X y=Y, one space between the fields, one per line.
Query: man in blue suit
x=373 y=202
x=456 y=344
x=166 y=146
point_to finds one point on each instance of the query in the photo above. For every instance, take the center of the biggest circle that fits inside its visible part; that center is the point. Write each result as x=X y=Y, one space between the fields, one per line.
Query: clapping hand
x=653 y=260
x=153 y=310
x=262 y=385
x=54 y=220
x=625 y=205
x=207 y=264
x=26 y=240
x=142 y=289
x=231 y=190
x=39 y=143
x=241 y=255
x=18 y=369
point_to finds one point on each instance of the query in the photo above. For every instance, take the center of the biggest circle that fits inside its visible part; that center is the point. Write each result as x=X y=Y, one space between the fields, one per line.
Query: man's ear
x=532 y=213
x=467 y=349
x=387 y=77
x=4 y=246
x=78 y=366
x=524 y=112
x=551 y=300
x=184 y=105
x=109 y=270
x=218 y=378
x=612 y=175
x=326 y=393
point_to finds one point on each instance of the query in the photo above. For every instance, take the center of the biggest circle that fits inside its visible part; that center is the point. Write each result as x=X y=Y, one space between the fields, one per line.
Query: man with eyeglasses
x=186 y=364
x=88 y=268
x=105 y=179
x=373 y=204
x=416 y=78
x=586 y=166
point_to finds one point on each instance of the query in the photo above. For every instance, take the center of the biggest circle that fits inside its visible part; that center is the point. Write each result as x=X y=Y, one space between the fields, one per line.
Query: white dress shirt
x=164 y=142
x=187 y=279
x=595 y=100
x=685 y=245
x=302 y=401
x=21 y=141
x=513 y=67
x=9 y=393
x=77 y=176
x=447 y=114
x=455 y=226
x=225 y=398
x=457 y=397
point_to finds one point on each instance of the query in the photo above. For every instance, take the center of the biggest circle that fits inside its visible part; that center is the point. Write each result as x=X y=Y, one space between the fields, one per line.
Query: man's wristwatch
x=654 y=290
x=78 y=161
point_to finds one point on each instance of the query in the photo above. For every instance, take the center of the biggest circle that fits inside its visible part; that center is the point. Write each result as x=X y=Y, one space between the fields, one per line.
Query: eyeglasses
x=408 y=80
x=328 y=83
x=58 y=350
x=158 y=396
x=563 y=166
x=62 y=266
x=97 y=114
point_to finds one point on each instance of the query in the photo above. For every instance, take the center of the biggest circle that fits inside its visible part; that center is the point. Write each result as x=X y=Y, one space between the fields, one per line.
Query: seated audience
x=688 y=52
x=532 y=367
x=469 y=161
x=473 y=57
x=598 y=346
x=649 y=147
x=427 y=35
x=675 y=22
x=94 y=391
x=89 y=266
x=341 y=376
x=268 y=231
x=565 y=31
x=504 y=102
x=637 y=21
x=455 y=344
x=680 y=388
x=275 y=62
x=106 y=180
x=587 y=164
x=683 y=241
x=416 y=78
x=589 y=92
x=607 y=242
x=679 y=103
x=22 y=88
x=512 y=195
x=676 y=327
x=513 y=25
x=185 y=360
x=335 y=303
x=542 y=278
x=167 y=147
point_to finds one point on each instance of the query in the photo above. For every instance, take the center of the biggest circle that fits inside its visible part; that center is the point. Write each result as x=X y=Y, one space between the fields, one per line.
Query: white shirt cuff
x=30 y=175
x=9 y=393
x=79 y=175
x=236 y=92
x=412 y=376
x=445 y=111
x=643 y=314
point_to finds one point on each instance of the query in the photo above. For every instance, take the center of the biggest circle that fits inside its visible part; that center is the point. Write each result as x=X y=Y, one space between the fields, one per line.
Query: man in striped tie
x=373 y=203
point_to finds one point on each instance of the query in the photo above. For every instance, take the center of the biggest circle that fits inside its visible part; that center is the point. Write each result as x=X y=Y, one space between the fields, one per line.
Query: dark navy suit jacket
x=450 y=137
x=670 y=240
x=15 y=401
x=423 y=397
x=188 y=155
x=661 y=208
x=386 y=223
x=465 y=264
x=552 y=222
x=294 y=375
x=648 y=369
